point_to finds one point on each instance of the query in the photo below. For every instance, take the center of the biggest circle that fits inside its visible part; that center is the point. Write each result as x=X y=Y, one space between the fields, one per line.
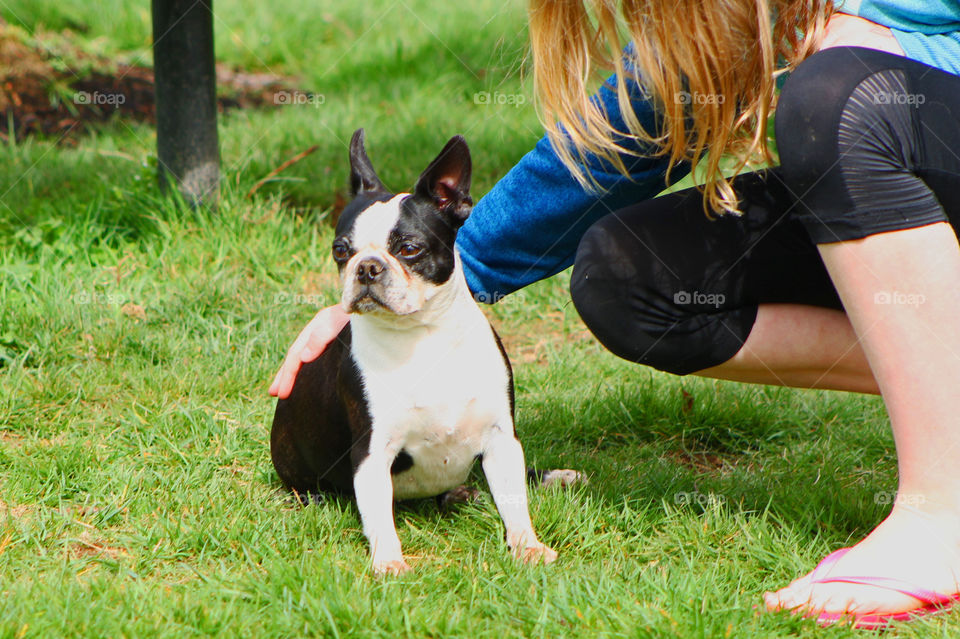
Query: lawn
x=138 y=338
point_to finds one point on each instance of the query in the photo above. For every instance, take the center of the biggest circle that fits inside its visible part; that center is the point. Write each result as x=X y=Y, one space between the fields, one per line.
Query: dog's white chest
x=436 y=396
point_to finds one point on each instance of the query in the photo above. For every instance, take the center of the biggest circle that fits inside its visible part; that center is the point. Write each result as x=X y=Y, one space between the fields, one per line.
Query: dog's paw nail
x=392 y=567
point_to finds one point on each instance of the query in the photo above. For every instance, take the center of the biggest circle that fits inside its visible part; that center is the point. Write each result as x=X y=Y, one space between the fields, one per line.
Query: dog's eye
x=410 y=250
x=340 y=252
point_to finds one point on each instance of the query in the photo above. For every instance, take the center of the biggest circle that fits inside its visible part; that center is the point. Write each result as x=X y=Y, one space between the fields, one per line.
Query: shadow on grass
x=822 y=462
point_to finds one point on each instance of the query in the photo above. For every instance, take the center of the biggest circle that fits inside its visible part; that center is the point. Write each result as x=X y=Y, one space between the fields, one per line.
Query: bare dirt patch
x=60 y=91
x=88 y=546
x=702 y=462
x=532 y=342
x=14 y=511
x=10 y=439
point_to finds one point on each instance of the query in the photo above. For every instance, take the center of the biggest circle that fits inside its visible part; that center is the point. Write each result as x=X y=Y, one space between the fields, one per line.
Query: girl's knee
x=644 y=317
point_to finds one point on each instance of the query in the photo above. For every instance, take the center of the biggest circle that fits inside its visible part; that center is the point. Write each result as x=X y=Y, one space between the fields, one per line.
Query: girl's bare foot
x=916 y=544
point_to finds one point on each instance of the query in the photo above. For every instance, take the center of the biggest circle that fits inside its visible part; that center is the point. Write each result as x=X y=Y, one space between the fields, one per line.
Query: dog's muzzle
x=376 y=283
x=368 y=290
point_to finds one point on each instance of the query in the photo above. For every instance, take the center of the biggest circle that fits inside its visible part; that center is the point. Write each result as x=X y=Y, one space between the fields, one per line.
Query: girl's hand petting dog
x=311 y=341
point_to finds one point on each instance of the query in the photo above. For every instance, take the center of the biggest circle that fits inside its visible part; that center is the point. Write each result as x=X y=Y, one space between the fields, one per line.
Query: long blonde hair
x=708 y=65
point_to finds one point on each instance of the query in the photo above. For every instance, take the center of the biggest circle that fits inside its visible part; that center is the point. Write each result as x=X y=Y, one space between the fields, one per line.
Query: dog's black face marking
x=426 y=229
x=423 y=240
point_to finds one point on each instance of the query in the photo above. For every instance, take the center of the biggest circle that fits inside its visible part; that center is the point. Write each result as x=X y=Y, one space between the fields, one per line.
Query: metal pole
x=186 y=98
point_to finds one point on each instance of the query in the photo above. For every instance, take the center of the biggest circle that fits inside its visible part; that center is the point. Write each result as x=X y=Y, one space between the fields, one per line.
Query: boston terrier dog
x=417 y=386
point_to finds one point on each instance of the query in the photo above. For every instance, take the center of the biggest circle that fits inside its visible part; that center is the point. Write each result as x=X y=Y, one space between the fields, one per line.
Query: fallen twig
x=272 y=174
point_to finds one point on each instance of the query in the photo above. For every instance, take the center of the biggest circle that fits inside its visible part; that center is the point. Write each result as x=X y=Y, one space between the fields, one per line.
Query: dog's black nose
x=369 y=270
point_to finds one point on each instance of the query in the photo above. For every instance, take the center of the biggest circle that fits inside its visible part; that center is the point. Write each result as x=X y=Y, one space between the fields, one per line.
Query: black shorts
x=869 y=142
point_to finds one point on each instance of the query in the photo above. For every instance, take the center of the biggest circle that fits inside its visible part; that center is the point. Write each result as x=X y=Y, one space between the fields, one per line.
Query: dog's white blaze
x=372 y=227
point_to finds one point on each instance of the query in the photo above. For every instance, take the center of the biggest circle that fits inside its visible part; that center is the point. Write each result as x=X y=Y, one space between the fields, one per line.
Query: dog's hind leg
x=564 y=478
x=458 y=496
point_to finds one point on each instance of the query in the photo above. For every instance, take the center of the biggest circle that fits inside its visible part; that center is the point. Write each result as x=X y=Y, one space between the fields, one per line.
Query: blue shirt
x=928 y=31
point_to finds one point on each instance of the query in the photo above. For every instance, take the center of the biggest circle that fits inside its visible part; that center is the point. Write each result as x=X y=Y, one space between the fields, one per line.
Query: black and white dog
x=417 y=387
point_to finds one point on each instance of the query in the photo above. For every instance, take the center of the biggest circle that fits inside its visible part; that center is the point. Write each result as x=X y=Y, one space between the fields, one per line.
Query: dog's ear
x=362 y=176
x=446 y=182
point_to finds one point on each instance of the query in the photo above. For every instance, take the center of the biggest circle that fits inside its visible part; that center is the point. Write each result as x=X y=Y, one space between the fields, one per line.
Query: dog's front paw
x=535 y=554
x=383 y=567
x=527 y=548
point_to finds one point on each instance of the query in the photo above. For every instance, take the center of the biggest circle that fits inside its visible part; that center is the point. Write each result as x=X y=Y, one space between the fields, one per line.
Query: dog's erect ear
x=362 y=176
x=446 y=182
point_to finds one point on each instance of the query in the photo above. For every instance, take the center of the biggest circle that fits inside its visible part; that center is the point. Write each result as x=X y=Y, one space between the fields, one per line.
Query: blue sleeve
x=529 y=225
x=928 y=31
x=921 y=16
x=939 y=50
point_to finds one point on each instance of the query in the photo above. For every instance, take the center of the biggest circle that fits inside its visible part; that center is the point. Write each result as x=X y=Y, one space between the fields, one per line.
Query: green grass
x=137 y=496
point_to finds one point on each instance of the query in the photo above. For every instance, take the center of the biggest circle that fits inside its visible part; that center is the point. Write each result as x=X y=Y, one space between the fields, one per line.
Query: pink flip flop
x=932 y=602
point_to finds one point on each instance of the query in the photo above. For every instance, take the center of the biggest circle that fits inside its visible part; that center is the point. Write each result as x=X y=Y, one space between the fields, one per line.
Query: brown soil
x=531 y=342
x=39 y=94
